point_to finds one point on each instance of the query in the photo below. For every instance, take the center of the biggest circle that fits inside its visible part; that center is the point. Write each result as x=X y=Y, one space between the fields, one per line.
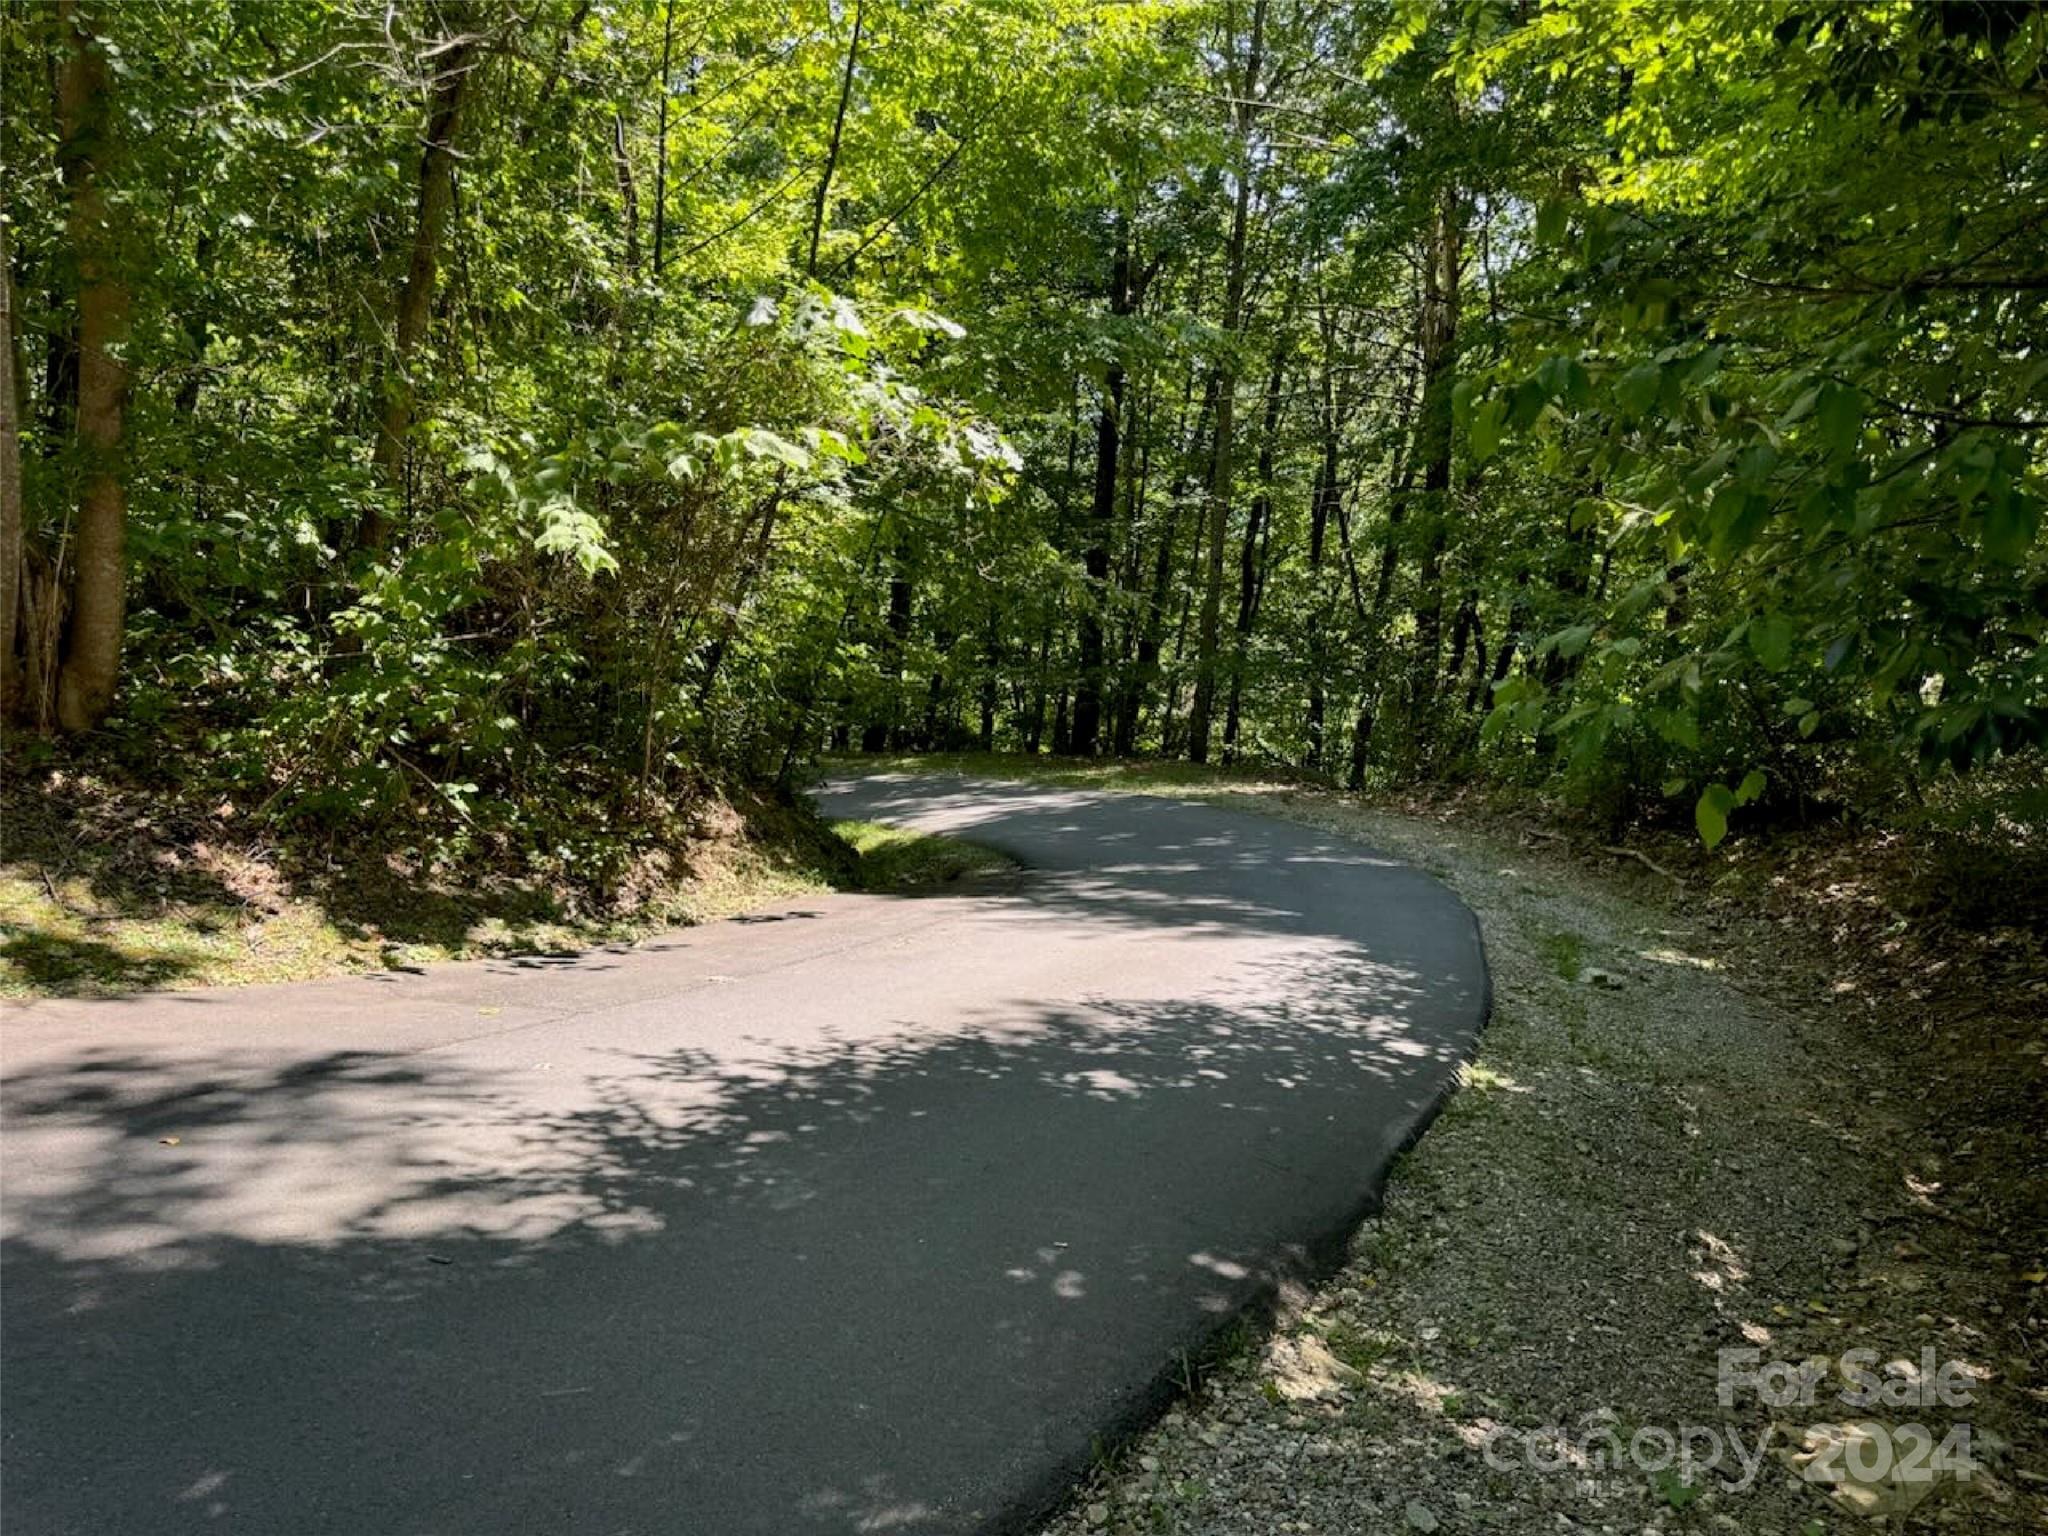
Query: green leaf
x=1751 y=786
x=1636 y=391
x=1770 y=636
x=1487 y=422
x=1571 y=641
x=760 y=443
x=1839 y=414
x=2010 y=523
x=569 y=530
x=1738 y=516
x=1710 y=814
x=1678 y=728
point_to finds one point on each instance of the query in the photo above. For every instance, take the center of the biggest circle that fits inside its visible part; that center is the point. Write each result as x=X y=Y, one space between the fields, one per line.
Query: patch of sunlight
x=1476 y=1074
x=1722 y=1267
x=1421 y=1391
x=1229 y=1269
x=1680 y=958
x=897 y=859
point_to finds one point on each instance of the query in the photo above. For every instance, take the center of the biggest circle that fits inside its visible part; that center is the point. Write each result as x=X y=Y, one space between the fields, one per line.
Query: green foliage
x=1640 y=403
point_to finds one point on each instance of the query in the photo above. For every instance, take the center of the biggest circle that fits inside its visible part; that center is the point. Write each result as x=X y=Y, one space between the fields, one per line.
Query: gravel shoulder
x=1669 y=1146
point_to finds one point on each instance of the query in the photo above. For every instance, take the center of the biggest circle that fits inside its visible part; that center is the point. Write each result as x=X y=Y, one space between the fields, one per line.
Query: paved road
x=862 y=1215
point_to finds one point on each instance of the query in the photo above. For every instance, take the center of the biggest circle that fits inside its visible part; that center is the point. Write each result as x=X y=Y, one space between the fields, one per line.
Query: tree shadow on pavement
x=892 y=1284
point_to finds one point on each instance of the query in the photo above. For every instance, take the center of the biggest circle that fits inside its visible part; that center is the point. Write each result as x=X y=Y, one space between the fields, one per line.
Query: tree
x=11 y=542
x=1245 y=95
x=1658 y=383
x=90 y=669
x=452 y=60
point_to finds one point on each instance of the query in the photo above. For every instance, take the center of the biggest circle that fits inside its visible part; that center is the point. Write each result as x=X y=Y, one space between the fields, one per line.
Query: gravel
x=1648 y=1164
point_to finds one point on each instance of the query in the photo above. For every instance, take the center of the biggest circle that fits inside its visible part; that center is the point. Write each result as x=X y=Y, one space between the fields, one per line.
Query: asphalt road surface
x=867 y=1214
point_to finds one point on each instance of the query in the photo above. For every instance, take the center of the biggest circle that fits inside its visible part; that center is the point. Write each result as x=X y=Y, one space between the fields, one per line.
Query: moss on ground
x=896 y=860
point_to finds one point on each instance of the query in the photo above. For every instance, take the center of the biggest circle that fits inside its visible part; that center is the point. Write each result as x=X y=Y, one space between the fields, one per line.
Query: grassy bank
x=109 y=887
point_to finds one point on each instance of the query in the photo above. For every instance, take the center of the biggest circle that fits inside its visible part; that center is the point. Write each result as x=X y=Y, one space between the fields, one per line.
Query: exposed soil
x=109 y=884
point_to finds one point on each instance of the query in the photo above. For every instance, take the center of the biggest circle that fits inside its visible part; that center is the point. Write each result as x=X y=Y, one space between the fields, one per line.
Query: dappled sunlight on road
x=1132 y=1096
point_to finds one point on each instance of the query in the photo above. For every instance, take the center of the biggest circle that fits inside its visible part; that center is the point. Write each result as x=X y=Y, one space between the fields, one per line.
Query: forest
x=1542 y=501
x=484 y=425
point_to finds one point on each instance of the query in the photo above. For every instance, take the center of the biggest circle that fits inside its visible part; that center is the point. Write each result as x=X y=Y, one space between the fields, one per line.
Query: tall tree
x=11 y=539
x=452 y=60
x=823 y=195
x=91 y=667
x=1258 y=538
x=1244 y=112
x=1437 y=330
x=1089 y=690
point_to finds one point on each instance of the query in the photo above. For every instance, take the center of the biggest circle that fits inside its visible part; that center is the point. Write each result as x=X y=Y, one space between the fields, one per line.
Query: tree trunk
x=668 y=37
x=537 y=113
x=11 y=549
x=629 y=196
x=453 y=61
x=1433 y=441
x=1152 y=630
x=887 y=730
x=750 y=570
x=1101 y=511
x=1208 y=636
x=1323 y=499
x=91 y=666
x=1034 y=723
x=832 y=150
x=1257 y=534
x=992 y=661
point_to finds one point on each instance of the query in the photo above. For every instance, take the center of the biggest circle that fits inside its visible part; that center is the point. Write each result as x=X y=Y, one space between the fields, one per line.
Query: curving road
x=869 y=1214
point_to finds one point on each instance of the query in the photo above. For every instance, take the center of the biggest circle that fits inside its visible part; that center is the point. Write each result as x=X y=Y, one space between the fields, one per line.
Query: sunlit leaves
x=568 y=529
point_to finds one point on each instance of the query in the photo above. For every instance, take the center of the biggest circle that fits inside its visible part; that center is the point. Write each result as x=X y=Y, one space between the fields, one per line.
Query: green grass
x=1356 y=1348
x=1074 y=772
x=96 y=931
x=109 y=886
x=72 y=937
x=1566 y=953
x=896 y=861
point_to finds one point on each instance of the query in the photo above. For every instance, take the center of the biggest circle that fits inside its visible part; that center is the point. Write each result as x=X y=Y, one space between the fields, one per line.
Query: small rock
x=1098 y=1514
x=1420 y=1516
x=1595 y=977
